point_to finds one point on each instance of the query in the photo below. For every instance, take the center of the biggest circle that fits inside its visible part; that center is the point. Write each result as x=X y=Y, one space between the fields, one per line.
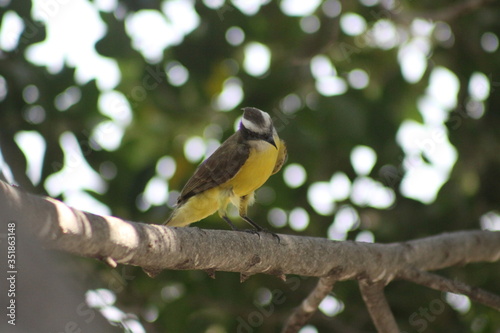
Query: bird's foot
x=272 y=234
x=250 y=231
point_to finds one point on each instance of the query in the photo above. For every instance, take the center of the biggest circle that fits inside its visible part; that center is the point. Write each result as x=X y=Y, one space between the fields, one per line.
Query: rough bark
x=157 y=247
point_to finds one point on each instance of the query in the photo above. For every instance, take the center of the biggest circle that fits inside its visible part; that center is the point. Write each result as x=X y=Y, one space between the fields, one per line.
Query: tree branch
x=301 y=315
x=380 y=312
x=446 y=14
x=156 y=247
x=456 y=10
x=440 y=283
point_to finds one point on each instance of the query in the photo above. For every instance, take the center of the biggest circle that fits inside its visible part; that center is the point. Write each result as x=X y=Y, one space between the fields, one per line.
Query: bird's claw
x=250 y=231
x=257 y=232
x=274 y=235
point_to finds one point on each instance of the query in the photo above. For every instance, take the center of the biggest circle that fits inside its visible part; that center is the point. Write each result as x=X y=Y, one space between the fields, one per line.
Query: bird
x=232 y=174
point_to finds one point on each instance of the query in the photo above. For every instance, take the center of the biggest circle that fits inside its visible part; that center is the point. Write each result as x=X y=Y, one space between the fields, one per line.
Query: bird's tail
x=171 y=219
x=176 y=219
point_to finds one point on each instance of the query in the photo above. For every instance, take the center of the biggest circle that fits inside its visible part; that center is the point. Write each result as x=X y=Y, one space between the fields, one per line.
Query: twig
x=446 y=14
x=437 y=282
x=456 y=10
x=380 y=312
x=301 y=315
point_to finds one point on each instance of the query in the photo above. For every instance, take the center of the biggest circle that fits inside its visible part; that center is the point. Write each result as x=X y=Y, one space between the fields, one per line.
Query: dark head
x=257 y=125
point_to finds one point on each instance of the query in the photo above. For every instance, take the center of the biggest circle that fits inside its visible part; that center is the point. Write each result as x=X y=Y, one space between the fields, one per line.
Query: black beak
x=270 y=139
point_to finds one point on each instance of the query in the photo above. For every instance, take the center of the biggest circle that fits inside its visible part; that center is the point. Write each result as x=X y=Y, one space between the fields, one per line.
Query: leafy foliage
x=322 y=120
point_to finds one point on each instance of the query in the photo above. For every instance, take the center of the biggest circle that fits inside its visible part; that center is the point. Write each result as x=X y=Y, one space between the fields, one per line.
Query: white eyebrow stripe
x=249 y=125
x=267 y=119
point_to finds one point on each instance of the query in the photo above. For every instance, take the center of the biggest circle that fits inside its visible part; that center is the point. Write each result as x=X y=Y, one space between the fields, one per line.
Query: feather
x=219 y=168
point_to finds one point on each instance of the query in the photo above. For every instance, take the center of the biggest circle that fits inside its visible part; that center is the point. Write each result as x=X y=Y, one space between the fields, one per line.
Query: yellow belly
x=256 y=170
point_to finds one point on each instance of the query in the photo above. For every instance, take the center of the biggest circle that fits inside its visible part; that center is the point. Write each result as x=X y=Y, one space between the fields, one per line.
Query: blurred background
x=390 y=110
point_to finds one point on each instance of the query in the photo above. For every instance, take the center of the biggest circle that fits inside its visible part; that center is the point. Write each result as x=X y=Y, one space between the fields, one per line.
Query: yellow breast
x=256 y=170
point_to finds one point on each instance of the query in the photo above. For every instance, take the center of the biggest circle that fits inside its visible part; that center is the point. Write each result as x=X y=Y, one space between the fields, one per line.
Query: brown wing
x=282 y=156
x=220 y=167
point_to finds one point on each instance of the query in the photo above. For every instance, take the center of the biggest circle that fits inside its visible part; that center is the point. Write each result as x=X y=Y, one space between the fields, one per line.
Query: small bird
x=233 y=173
